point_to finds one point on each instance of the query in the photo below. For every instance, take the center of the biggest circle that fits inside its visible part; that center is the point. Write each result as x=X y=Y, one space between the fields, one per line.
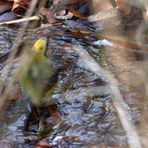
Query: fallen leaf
x=20 y=7
x=123 y=6
x=42 y=144
x=5 y=7
x=52 y=109
x=77 y=14
x=48 y=14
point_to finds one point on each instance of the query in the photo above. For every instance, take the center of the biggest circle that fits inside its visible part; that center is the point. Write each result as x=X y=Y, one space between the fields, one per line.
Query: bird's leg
x=31 y=116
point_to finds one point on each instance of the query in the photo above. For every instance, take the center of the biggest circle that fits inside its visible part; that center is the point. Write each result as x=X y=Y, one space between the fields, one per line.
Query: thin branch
x=11 y=57
x=33 y=18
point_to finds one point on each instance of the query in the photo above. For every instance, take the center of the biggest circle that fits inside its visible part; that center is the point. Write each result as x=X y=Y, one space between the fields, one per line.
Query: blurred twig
x=21 y=20
x=11 y=57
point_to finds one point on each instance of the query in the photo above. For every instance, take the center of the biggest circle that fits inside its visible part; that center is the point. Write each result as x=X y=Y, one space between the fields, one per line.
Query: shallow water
x=88 y=117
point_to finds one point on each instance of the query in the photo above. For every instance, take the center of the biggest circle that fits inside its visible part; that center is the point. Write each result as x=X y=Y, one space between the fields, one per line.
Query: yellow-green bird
x=36 y=73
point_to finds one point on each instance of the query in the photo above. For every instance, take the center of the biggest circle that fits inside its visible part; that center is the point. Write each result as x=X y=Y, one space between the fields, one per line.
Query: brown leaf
x=52 y=109
x=76 y=14
x=123 y=6
x=76 y=1
x=42 y=144
x=5 y=7
x=48 y=14
x=20 y=6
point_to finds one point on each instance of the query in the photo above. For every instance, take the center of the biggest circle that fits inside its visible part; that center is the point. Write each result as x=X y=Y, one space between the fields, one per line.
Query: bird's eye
x=40 y=49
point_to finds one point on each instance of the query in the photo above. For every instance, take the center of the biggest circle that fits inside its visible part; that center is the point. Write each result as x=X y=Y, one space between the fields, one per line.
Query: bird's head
x=40 y=46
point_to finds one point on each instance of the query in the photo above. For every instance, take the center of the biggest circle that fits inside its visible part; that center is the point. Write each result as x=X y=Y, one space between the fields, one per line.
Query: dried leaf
x=5 y=7
x=52 y=109
x=48 y=14
x=123 y=6
x=77 y=14
x=19 y=6
x=42 y=144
